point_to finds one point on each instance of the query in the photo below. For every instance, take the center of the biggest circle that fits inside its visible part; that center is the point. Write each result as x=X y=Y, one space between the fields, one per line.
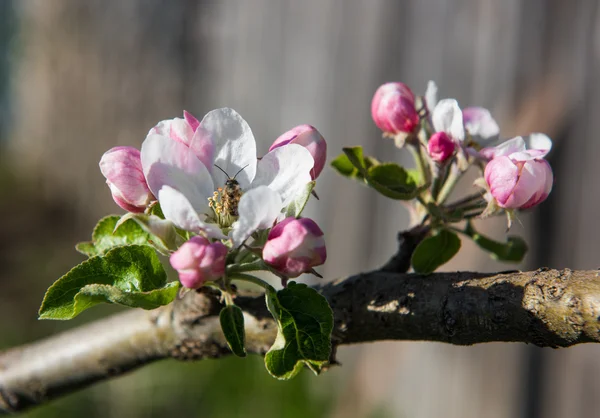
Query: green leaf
x=415 y=175
x=130 y=275
x=392 y=181
x=513 y=250
x=355 y=156
x=305 y=322
x=297 y=206
x=371 y=162
x=232 y=323
x=105 y=237
x=434 y=251
x=161 y=234
x=343 y=166
x=156 y=210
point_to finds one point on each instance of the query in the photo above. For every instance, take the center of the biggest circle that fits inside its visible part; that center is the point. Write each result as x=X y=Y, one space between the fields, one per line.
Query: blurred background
x=79 y=77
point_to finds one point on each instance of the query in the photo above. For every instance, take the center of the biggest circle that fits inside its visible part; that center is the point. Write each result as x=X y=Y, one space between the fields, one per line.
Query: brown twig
x=544 y=307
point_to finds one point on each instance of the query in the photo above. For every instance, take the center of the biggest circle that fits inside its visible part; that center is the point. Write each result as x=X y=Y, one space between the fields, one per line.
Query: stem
x=453 y=178
x=472 y=215
x=228 y=298
x=475 y=205
x=415 y=149
x=240 y=268
x=254 y=280
x=438 y=180
x=462 y=202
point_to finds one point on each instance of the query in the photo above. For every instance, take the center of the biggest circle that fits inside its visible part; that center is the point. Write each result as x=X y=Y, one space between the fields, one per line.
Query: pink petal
x=501 y=175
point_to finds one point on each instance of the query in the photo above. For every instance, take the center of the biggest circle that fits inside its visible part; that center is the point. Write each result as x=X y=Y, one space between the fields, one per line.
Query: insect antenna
x=240 y=170
x=224 y=172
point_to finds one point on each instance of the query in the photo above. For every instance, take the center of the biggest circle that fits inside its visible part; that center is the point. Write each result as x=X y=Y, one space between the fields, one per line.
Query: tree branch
x=544 y=307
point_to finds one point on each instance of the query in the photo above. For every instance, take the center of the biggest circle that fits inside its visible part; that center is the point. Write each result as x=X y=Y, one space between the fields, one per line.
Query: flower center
x=224 y=203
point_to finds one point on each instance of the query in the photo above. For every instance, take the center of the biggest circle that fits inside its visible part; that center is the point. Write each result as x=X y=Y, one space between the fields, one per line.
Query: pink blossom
x=295 y=246
x=124 y=174
x=189 y=132
x=393 y=109
x=440 y=147
x=537 y=144
x=191 y=194
x=519 y=180
x=198 y=261
x=309 y=138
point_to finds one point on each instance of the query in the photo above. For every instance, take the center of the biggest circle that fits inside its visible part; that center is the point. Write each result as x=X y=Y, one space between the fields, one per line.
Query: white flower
x=182 y=175
x=447 y=116
x=481 y=125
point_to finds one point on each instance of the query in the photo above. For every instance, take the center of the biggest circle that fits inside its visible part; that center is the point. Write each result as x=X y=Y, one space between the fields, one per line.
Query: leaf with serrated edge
x=435 y=251
x=130 y=275
x=232 y=324
x=105 y=237
x=305 y=322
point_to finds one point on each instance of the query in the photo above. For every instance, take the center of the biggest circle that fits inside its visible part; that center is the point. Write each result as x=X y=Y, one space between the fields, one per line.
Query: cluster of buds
x=226 y=217
x=449 y=139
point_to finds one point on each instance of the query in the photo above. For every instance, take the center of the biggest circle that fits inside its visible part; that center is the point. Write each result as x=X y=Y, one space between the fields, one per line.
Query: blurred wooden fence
x=95 y=74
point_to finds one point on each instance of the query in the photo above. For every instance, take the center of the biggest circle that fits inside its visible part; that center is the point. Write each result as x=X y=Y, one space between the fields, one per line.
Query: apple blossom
x=447 y=117
x=440 y=147
x=311 y=139
x=519 y=180
x=198 y=260
x=431 y=95
x=122 y=168
x=540 y=143
x=480 y=124
x=190 y=192
x=393 y=109
x=295 y=246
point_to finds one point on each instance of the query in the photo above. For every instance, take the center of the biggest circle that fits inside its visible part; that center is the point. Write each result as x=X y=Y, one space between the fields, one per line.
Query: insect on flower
x=231 y=193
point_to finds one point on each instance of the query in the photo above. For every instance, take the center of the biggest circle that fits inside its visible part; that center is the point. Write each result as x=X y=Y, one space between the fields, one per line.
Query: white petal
x=481 y=125
x=170 y=163
x=286 y=170
x=516 y=144
x=447 y=117
x=258 y=209
x=431 y=95
x=235 y=147
x=538 y=141
x=180 y=211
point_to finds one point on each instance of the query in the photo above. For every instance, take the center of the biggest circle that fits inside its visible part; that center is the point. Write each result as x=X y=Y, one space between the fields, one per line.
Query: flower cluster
x=515 y=174
x=210 y=186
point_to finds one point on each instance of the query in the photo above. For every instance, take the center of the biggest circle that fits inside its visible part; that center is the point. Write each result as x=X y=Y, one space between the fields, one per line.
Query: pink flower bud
x=393 y=109
x=198 y=261
x=309 y=138
x=122 y=168
x=520 y=180
x=440 y=147
x=295 y=246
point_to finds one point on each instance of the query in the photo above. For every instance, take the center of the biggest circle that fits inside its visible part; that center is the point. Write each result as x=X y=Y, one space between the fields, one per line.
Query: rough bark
x=555 y=308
